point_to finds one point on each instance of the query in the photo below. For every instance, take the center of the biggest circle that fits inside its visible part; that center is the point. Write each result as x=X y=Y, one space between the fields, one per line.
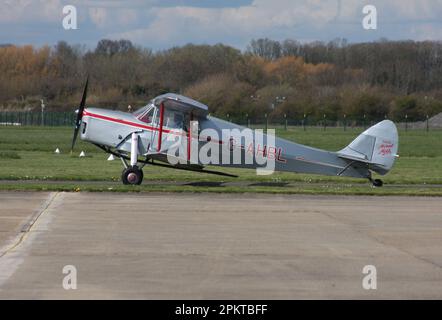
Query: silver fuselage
x=114 y=128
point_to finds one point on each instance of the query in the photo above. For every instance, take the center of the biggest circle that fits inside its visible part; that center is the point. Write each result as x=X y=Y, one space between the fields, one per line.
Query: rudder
x=376 y=146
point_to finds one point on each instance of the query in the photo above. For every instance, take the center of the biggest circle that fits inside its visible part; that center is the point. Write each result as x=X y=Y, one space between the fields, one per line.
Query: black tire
x=378 y=183
x=132 y=175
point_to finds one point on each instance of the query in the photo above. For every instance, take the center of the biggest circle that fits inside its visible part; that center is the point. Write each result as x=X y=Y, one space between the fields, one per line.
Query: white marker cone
x=82 y=154
x=111 y=158
x=57 y=151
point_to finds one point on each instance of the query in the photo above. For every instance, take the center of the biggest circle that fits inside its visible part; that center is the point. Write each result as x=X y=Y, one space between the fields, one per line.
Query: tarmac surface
x=218 y=246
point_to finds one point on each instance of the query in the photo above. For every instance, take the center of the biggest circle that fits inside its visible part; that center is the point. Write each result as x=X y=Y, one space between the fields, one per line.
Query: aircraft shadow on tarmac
x=269 y=184
x=221 y=184
x=205 y=184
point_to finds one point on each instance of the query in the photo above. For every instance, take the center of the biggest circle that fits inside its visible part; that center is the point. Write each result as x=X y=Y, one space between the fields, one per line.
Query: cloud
x=99 y=16
x=413 y=10
x=184 y=24
x=30 y=11
x=302 y=19
x=127 y=17
x=426 y=32
x=111 y=19
x=165 y=23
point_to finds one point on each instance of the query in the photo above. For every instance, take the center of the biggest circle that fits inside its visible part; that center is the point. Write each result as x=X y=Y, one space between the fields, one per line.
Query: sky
x=163 y=24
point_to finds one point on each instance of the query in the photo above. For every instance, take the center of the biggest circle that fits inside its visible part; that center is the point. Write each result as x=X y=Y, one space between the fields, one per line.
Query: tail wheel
x=132 y=175
x=378 y=183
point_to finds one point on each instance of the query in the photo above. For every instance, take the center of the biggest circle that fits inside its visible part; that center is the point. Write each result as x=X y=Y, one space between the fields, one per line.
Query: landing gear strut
x=132 y=174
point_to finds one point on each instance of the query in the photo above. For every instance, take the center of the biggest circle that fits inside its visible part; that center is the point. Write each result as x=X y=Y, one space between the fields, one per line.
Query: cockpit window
x=173 y=119
x=142 y=110
x=147 y=116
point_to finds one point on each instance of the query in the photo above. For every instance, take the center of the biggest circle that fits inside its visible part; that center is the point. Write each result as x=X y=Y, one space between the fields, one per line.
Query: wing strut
x=189 y=139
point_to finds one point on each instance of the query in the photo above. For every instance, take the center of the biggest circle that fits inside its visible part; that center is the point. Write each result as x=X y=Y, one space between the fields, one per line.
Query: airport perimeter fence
x=33 y=118
x=67 y=118
x=310 y=122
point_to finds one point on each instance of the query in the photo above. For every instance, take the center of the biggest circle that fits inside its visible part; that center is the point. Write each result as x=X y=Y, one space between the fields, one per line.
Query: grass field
x=27 y=153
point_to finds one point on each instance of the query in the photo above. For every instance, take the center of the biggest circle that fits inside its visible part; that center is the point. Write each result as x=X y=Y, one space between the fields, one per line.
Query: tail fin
x=377 y=146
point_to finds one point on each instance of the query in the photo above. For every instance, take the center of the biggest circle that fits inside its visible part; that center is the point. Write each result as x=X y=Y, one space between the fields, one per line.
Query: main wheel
x=377 y=183
x=132 y=175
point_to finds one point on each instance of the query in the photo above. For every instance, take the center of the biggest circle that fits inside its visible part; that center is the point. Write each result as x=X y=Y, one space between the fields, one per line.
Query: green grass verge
x=27 y=153
x=317 y=189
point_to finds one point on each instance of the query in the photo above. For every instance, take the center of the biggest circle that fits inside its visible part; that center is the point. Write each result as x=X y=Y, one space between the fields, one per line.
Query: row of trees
x=407 y=66
x=374 y=80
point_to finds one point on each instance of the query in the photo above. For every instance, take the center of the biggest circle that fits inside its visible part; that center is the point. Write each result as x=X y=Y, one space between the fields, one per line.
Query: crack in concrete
x=27 y=226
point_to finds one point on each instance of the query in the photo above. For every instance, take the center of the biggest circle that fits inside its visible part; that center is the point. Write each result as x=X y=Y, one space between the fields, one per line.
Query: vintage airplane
x=147 y=135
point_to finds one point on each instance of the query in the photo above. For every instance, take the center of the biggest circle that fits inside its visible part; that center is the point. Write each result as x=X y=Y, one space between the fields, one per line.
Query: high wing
x=175 y=101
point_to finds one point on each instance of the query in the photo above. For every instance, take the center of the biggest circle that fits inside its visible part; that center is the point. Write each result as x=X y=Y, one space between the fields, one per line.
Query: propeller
x=80 y=114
